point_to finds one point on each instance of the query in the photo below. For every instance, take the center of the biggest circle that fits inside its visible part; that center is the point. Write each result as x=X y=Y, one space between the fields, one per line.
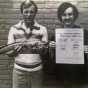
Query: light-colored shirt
x=19 y=33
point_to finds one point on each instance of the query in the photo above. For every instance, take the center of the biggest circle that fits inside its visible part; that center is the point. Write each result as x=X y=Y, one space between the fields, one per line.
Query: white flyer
x=69 y=46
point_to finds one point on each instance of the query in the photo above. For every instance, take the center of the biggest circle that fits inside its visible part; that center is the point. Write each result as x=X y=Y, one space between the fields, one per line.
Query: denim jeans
x=23 y=79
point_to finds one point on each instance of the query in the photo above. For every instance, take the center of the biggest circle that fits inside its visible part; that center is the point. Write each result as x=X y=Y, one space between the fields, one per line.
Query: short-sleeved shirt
x=19 y=33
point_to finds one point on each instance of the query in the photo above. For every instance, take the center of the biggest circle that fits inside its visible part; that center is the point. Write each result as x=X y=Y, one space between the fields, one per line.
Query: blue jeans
x=23 y=79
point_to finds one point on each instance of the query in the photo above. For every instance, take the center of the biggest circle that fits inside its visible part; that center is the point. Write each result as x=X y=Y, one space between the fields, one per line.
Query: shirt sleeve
x=11 y=36
x=45 y=35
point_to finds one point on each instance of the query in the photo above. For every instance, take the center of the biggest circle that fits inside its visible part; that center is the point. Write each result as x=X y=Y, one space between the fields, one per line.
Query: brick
x=47 y=16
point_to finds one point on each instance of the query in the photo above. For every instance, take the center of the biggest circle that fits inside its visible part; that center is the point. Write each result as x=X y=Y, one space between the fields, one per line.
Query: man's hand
x=52 y=44
x=18 y=47
x=14 y=51
x=86 y=48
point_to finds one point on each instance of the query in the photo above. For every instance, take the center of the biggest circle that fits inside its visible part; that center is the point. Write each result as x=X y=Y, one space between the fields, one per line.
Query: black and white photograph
x=43 y=43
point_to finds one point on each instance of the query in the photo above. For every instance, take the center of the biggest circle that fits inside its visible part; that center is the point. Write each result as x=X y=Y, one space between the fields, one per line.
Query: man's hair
x=63 y=7
x=25 y=5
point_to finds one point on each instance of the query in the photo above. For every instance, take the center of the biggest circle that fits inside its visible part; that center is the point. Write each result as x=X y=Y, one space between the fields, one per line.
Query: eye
x=70 y=14
x=64 y=14
x=31 y=11
x=25 y=12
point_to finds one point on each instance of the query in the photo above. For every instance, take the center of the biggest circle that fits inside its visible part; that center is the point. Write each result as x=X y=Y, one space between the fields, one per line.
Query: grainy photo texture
x=33 y=54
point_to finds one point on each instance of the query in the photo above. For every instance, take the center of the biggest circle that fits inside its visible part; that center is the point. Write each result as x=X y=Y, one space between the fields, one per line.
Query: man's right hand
x=18 y=47
x=52 y=44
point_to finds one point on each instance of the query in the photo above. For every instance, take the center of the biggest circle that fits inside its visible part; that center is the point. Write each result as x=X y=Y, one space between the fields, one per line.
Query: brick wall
x=47 y=16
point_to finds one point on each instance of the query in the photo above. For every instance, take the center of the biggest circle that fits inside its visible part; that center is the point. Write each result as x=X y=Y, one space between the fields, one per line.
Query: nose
x=67 y=17
x=28 y=14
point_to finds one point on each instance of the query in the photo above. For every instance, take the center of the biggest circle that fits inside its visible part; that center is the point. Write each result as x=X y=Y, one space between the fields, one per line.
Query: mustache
x=67 y=20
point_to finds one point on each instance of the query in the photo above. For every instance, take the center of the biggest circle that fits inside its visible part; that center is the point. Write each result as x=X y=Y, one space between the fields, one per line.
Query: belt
x=29 y=66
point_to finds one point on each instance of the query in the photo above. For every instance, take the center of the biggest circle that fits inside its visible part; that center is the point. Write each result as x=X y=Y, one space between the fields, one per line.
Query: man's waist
x=28 y=66
x=27 y=69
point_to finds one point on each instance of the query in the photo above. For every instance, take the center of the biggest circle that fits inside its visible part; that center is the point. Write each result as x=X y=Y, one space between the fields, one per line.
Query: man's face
x=68 y=17
x=29 y=14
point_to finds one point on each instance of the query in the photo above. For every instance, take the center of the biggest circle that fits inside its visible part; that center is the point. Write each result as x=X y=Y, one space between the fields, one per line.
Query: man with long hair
x=67 y=14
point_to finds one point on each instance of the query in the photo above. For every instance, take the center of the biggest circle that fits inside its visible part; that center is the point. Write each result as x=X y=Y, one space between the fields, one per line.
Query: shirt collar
x=35 y=26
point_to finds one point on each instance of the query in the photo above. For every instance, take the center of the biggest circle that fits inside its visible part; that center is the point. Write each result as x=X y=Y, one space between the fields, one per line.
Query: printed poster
x=70 y=46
